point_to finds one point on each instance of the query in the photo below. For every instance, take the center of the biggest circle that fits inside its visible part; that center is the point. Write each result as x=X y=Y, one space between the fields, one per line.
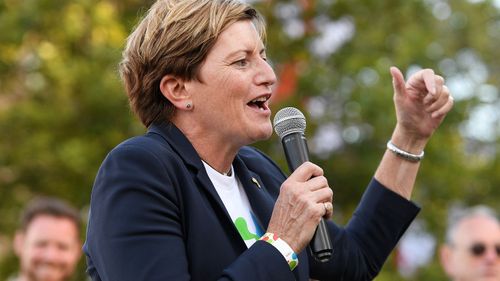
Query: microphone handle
x=297 y=152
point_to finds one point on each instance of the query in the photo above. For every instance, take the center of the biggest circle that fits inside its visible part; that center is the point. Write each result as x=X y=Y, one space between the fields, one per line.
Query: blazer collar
x=260 y=200
x=185 y=150
x=178 y=142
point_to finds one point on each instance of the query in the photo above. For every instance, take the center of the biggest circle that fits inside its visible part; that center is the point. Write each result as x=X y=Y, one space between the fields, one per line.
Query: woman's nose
x=266 y=73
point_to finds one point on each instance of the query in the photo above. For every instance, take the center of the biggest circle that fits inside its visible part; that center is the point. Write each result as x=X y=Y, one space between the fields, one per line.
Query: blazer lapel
x=260 y=200
x=185 y=150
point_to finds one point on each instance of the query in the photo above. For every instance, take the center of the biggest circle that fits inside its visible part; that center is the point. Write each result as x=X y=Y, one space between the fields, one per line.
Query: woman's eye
x=242 y=62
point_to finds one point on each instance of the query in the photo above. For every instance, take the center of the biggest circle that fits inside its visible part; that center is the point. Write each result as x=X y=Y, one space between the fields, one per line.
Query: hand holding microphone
x=305 y=196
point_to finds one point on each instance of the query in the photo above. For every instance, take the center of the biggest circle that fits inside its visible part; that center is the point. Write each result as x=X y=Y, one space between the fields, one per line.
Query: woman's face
x=231 y=98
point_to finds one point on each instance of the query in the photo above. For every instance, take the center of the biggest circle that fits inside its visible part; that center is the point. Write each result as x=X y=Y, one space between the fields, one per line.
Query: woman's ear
x=173 y=88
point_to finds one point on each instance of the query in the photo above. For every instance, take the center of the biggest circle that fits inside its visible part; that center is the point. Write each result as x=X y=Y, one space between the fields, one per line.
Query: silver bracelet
x=404 y=154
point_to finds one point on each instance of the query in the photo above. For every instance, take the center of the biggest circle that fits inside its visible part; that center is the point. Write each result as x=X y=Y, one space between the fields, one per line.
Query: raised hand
x=421 y=103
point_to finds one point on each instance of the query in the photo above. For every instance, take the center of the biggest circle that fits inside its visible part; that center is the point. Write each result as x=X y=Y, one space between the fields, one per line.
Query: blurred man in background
x=472 y=248
x=48 y=241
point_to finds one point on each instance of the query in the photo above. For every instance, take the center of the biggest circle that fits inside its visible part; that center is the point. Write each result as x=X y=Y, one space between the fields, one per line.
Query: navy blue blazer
x=155 y=215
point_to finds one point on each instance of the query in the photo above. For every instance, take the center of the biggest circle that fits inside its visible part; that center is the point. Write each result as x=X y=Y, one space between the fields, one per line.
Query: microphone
x=290 y=125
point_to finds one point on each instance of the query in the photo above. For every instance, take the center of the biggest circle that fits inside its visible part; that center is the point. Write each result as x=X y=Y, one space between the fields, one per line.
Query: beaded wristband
x=404 y=154
x=285 y=249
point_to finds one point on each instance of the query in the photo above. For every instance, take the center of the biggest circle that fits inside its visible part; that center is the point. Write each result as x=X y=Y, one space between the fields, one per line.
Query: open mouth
x=260 y=103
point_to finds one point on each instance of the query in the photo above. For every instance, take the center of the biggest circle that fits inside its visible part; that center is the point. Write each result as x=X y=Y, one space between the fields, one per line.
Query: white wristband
x=404 y=154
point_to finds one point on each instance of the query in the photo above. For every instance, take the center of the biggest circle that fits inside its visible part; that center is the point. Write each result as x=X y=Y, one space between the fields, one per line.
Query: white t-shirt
x=235 y=200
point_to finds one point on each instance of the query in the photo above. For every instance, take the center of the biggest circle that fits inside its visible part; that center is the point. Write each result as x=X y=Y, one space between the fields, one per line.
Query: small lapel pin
x=256 y=182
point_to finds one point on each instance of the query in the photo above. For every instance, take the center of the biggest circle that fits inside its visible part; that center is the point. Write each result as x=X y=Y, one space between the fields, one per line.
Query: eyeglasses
x=479 y=249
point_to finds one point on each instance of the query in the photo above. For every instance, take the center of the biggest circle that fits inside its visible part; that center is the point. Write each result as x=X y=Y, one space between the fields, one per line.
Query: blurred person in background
x=190 y=200
x=472 y=248
x=48 y=242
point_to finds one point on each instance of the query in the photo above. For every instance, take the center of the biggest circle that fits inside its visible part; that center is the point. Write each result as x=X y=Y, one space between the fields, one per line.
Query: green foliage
x=62 y=106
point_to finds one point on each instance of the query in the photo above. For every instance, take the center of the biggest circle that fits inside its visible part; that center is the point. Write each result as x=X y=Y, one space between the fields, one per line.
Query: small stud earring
x=188 y=105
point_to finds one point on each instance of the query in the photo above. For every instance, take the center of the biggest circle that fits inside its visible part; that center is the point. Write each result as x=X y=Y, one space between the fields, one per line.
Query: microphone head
x=289 y=120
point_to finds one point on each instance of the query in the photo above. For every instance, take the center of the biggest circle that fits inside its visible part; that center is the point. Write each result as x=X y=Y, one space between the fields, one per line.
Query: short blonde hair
x=174 y=38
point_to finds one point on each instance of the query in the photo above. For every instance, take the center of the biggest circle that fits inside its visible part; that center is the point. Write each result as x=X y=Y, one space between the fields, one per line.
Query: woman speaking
x=189 y=200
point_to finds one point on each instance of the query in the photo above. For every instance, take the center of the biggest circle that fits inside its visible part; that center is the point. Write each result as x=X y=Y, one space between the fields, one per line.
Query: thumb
x=398 y=81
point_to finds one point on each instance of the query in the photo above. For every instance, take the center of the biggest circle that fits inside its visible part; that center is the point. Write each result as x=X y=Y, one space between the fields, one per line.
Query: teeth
x=261 y=99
